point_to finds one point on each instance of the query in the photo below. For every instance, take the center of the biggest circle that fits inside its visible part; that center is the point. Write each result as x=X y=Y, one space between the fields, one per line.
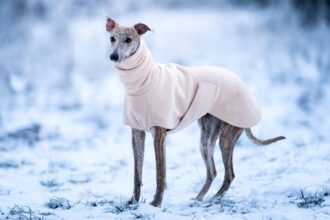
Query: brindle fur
x=159 y=135
x=228 y=137
x=138 y=140
x=122 y=48
x=211 y=129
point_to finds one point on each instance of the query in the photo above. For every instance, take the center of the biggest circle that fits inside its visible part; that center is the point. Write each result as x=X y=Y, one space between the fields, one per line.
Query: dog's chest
x=164 y=104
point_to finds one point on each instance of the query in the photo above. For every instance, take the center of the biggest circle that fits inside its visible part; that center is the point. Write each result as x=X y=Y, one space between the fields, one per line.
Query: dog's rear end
x=212 y=128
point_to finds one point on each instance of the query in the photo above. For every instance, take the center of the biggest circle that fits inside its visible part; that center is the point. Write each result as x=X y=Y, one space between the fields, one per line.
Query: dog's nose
x=114 y=57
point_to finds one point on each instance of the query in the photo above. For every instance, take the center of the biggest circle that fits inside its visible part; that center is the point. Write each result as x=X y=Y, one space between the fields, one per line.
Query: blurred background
x=61 y=99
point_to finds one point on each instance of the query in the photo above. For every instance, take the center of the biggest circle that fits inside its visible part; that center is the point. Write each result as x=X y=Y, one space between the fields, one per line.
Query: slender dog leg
x=209 y=126
x=138 y=138
x=159 y=135
x=228 y=137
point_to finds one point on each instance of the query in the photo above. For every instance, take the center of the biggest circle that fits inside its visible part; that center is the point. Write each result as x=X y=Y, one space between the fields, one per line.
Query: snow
x=80 y=160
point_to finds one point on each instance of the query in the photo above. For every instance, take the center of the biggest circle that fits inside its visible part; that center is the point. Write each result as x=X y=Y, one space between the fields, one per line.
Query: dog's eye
x=128 y=40
x=112 y=39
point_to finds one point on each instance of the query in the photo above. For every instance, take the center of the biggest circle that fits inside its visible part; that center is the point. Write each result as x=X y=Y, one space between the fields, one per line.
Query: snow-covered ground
x=65 y=153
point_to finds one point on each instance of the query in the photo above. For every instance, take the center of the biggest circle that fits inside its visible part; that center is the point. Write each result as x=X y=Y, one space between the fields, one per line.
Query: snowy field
x=65 y=153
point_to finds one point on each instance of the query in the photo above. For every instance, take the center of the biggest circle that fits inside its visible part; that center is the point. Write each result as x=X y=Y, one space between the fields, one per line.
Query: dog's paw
x=132 y=201
x=156 y=203
x=196 y=199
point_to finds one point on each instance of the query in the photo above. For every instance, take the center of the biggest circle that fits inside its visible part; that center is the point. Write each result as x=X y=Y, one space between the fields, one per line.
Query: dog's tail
x=257 y=141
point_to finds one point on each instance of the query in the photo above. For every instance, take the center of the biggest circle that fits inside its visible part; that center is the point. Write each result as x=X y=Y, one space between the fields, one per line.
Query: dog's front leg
x=138 y=140
x=159 y=135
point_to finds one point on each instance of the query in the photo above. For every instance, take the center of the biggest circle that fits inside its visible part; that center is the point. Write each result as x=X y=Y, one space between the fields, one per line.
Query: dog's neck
x=136 y=72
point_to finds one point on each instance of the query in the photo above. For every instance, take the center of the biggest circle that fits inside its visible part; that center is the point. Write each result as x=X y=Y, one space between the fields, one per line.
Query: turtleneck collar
x=136 y=71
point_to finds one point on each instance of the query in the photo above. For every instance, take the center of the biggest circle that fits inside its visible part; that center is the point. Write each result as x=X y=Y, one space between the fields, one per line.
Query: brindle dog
x=125 y=41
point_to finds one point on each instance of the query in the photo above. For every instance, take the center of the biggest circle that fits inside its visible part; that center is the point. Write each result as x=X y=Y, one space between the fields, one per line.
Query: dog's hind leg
x=138 y=139
x=209 y=126
x=228 y=137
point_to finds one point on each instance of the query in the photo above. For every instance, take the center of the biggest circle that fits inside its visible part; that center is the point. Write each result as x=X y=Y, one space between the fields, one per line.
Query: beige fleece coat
x=172 y=96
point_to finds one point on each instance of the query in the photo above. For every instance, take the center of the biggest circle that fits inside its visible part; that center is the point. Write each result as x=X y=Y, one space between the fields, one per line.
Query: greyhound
x=125 y=41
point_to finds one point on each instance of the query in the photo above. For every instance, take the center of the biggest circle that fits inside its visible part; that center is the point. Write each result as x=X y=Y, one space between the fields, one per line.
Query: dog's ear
x=141 y=28
x=111 y=24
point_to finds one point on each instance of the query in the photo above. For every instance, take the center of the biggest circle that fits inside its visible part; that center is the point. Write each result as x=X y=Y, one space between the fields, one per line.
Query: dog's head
x=124 y=40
